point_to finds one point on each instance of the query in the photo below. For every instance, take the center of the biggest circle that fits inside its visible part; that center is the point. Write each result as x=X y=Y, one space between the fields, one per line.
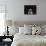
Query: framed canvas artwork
x=30 y=9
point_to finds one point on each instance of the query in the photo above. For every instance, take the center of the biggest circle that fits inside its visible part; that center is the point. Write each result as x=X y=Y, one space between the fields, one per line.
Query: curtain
x=2 y=19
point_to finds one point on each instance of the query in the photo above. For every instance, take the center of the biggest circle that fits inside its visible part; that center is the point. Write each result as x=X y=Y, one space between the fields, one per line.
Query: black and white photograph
x=30 y=9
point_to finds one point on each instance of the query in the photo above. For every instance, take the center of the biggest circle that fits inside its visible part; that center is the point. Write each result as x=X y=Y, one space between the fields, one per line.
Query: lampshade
x=9 y=22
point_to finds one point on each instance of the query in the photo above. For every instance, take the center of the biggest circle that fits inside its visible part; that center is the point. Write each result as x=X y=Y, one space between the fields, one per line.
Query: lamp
x=8 y=23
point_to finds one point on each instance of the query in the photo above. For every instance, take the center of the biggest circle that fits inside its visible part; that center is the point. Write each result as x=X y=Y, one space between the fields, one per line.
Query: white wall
x=15 y=9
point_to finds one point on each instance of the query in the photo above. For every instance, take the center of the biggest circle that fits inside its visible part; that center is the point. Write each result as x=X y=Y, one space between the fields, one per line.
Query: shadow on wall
x=21 y=23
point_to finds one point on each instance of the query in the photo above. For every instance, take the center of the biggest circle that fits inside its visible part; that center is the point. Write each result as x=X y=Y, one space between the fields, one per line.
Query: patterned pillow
x=36 y=30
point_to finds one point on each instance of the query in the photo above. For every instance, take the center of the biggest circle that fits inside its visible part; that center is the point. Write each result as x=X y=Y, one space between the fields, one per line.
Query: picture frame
x=30 y=10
